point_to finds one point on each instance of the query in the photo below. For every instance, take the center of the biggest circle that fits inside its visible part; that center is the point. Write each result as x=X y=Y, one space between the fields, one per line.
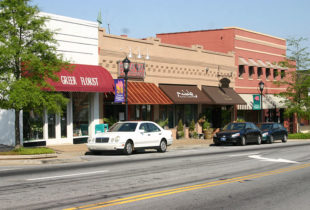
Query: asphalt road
x=273 y=176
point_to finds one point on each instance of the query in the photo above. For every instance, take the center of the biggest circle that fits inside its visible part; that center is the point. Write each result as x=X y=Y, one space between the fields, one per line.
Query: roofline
x=225 y=28
x=243 y=29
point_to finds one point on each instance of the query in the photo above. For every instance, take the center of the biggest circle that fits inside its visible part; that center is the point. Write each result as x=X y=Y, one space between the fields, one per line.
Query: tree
x=27 y=59
x=298 y=82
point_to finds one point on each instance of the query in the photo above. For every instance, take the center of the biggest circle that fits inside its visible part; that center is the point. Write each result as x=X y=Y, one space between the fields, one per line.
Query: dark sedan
x=272 y=131
x=238 y=133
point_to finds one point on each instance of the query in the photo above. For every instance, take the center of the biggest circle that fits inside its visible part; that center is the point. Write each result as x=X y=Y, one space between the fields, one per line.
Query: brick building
x=256 y=58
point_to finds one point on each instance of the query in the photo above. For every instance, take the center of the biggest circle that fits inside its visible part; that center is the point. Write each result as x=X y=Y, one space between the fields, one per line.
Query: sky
x=145 y=18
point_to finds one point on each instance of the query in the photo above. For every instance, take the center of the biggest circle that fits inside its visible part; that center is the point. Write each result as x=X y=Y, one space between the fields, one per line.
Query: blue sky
x=144 y=18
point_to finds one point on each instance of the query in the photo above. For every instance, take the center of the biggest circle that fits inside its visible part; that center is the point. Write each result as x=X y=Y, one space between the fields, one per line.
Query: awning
x=261 y=64
x=185 y=94
x=146 y=93
x=84 y=78
x=223 y=96
x=242 y=61
x=252 y=62
x=270 y=101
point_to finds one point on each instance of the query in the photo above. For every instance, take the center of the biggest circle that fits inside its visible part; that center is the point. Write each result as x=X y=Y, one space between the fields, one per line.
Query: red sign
x=136 y=70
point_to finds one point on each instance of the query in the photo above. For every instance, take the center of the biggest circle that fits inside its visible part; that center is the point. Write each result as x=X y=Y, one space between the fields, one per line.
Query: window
x=32 y=125
x=251 y=72
x=275 y=74
x=123 y=127
x=267 y=73
x=80 y=104
x=259 y=72
x=241 y=71
x=153 y=128
x=51 y=126
x=282 y=74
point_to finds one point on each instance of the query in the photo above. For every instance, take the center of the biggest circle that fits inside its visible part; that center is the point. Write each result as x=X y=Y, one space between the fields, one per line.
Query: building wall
x=77 y=39
x=168 y=64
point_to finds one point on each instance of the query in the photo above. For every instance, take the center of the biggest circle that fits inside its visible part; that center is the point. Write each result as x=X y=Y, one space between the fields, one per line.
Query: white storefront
x=78 y=43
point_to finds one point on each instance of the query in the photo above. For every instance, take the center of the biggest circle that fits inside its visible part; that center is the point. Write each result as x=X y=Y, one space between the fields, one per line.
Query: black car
x=272 y=131
x=238 y=133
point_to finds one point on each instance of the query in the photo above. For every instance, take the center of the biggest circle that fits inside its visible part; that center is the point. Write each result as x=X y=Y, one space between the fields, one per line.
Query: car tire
x=128 y=149
x=259 y=140
x=271 y=139
x=243 y=141
x=284 y=140
x=162 y=146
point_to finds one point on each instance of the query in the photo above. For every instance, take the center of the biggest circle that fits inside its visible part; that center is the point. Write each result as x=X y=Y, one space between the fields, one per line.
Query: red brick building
x=256 y=55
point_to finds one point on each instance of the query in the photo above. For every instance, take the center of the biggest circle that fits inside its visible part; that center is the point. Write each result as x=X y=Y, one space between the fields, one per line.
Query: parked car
x=272 y=131
x=131 y=135
x=238 y=133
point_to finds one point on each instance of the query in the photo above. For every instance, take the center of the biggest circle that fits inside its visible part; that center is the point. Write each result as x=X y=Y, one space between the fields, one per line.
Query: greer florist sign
x=256 y=102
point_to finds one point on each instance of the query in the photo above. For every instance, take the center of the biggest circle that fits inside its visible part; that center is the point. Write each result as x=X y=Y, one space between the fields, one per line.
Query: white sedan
x=131 y=135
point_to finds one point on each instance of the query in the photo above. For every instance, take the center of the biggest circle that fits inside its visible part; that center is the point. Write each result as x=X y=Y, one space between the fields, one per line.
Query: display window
x=80 y=106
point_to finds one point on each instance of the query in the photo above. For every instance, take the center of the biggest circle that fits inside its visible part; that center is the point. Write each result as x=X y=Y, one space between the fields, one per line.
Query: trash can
x=101 y=128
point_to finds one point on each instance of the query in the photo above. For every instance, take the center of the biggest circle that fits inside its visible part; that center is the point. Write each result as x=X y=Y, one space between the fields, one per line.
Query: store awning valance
x=223 y=96
x=146 y=93
x=243 y=61
x=84 y=78
x=185 y=94
x=270 y=101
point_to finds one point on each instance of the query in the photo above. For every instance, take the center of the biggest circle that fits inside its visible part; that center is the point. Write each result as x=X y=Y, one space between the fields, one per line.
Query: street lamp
x=126 y=66
x=261 y=88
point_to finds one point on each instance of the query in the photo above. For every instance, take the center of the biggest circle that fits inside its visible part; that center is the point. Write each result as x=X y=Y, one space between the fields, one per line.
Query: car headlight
x=235 y=135
x=265 y=134
x=117 y=139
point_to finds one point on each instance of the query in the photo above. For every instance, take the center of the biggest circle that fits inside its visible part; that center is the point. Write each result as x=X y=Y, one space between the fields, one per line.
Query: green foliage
x=206 y=125
x=299 y=136
x=180 y=126
x=28 y=57
x=192 y=126
x=163 y=123
x=29 y=151
x=110 y=121
x=240 y=120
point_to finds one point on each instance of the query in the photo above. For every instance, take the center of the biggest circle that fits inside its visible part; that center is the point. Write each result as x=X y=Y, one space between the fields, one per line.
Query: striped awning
x=146 y=93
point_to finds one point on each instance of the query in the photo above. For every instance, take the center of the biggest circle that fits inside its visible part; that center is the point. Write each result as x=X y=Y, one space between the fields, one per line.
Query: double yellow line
x=187 y=188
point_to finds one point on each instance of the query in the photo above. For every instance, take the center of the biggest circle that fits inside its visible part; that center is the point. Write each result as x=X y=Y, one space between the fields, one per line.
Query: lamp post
x=261 y=88
x=126 y=66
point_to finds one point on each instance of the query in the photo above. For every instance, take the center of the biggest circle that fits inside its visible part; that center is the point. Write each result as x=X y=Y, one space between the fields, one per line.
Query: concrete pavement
x=66 y=153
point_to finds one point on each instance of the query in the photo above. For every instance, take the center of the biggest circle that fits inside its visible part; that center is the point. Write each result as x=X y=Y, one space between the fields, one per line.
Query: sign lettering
x=186 y=94
x=85 y=81
x=136 y=70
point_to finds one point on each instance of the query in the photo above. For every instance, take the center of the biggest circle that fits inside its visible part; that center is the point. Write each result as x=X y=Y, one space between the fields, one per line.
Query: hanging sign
x=119 y=90
x=256 y=102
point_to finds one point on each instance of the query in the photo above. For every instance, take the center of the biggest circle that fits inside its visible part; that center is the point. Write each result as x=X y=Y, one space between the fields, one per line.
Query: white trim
x=261 y=42
x=257 y=51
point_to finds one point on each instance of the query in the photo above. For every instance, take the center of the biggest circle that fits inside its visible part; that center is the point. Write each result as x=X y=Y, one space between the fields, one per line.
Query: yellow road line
x=187 y=188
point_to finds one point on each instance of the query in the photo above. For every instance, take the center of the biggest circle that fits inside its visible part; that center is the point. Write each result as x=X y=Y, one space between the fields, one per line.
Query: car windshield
x=234 y=126
x=265 y=126
x=123 y=127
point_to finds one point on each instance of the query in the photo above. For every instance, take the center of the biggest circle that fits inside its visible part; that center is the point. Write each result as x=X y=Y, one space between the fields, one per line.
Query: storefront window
x=51 y=126
x=32 y=126
x=80 y=114
x=63 y=123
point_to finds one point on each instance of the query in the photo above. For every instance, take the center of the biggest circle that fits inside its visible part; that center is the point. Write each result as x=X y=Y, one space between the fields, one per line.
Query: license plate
x=223 y=139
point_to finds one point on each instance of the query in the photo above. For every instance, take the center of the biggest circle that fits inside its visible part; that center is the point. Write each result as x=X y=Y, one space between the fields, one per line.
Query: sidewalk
x=74 y=152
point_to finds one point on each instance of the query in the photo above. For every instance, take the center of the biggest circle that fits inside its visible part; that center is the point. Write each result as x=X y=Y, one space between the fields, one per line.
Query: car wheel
x=271 y=139
x=128 y=149
x=243 y=141
x=259 y=140
x=284 y=140
x=162 y=146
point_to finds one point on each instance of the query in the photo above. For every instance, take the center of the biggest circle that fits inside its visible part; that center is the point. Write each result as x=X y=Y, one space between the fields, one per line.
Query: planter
x=180 y=134
x=208 y=133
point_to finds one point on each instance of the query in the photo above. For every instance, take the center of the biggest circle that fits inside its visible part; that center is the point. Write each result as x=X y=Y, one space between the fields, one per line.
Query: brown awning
x=146 y=93
x=223 y=96
x=185 y=94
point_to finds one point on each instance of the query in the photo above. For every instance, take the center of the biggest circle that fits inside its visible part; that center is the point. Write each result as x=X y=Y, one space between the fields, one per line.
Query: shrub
x=299 y=136
x=180 y=126
x=192 y=126
x=163 y=123
x=206 y=125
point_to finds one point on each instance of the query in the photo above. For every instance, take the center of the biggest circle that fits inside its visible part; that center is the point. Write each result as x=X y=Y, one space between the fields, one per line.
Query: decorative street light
x=261 y=88
x=126 y=66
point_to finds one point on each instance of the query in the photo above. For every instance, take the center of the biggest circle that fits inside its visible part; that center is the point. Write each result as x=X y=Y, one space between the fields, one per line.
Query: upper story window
x=282 y=74
x=267 y=73
x=275 y=74
x=259 y=72
x=241 y=71
x=251 y=72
